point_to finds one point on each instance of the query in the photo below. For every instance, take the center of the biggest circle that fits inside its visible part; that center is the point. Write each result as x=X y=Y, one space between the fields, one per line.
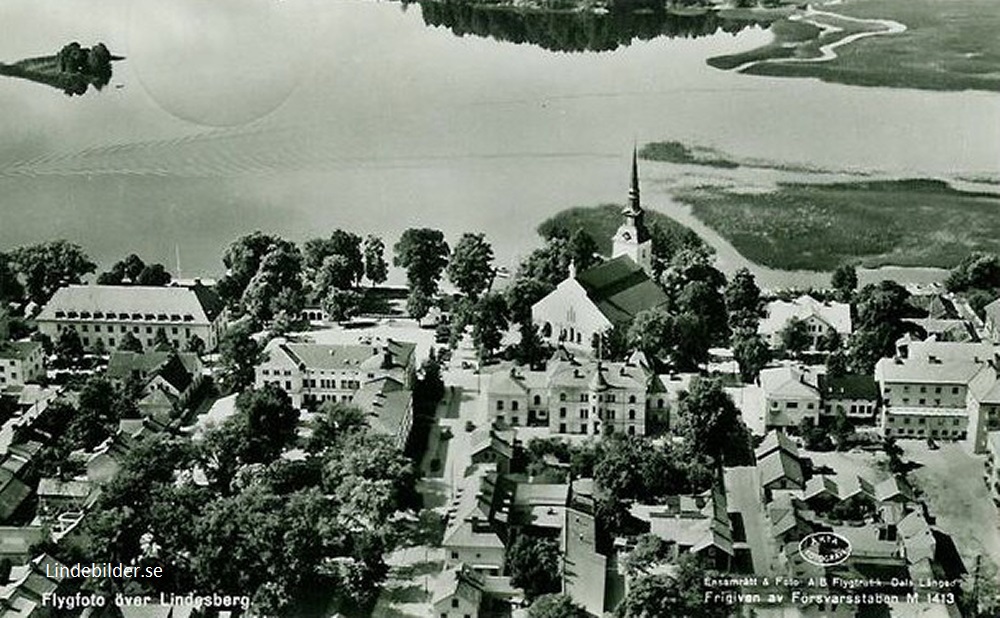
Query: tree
x=269 y=421
x=534 y=565
x=471 y=265
x=656 y=595
x=489 y=323
x=341 y=305
x=11 y=289
x=160 y=340
x=556 y=606
x=795 y=337
x=978 y=270
x=653 y=332
x=244 y=258
x=239 y=355
x=418 y=304
x=276 y=287
x=881 y=309
x=751 y=353
x=376 y=268
x=334 y=273
x=153 y=274
x=649 y=551
x=522 y=294
x=101 y=405
x=46 y=267
x=130 y=343
x=583 y=250
x=704 y=301
x=341 y=244
x=711 y=424
x=423 y=252
x=69 y=346
x=830 y=341
x=743 y=300
x=530 y=350
x=836 y=364
x=845 y=280
x=548 y=264
x=334 y=422
x=195 y=345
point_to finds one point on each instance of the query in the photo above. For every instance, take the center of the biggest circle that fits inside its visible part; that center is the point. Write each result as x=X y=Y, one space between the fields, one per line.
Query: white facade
x=21 y=362
x=790 y=395
x=820 y=318
x=567 y=315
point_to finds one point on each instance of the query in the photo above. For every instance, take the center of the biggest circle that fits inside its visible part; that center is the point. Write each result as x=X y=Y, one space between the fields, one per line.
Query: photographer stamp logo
x=825 y=549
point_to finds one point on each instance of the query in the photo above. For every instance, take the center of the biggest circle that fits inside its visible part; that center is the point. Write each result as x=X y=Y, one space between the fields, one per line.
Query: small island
x=73 y=69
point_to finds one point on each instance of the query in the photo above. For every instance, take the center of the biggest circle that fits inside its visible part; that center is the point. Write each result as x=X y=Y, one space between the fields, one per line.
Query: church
x=610 y=294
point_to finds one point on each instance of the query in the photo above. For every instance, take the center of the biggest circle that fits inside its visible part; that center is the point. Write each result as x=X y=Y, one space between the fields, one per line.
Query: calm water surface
x=298 y=117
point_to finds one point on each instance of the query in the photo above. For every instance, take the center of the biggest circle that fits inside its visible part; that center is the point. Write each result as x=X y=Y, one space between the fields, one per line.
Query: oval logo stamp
x=824 y=548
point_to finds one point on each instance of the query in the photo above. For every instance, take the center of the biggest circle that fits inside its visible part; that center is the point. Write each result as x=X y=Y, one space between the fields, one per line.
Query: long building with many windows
x=103 y=314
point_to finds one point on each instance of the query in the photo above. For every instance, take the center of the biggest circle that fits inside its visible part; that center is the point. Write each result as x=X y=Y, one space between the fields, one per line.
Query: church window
x=631 y=398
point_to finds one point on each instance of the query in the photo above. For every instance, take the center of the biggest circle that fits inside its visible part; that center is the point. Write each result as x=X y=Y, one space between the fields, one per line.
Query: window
x=562 y=412
x=537 y=400
x=937 y=389
x=954 y=390
x=562 y=427
x=499 y=404
x=583 y=397
x=923 y=401
x=906 y=420
x=584 y=413
x=631 y=398
x=454 y=555
x=513 y=405
x=631 y=415
x=149 y=330
x=923 y=389
x=791 y=405
x=562 y=396
x=454 y=603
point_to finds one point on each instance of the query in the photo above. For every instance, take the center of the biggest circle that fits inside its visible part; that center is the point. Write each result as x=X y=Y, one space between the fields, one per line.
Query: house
x=472 y=535
x=13 y=493
x=17 y=541
x=779 y=465
x=820 y=317
x=576 y=397
x=923 y=396
x=983 y=407
x=991 y=313
x=539 y=508
x=894 y=490
x=991 y=472
x=458 y=593
x=389 y=406
x=587 y=574
x=791 y=394
x=854 y=395
x=20 y=362
x=57 y=496
x=495 y=446
x=608 y=295
x=169 y=379
x=29 y=592
x=103 y=314
x=313 y=373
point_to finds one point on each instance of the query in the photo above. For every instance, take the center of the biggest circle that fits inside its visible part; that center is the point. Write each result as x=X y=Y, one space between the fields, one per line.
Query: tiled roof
x=776 y=440
x=173 y=304
x=780 y=465
x=13 y=492
x=853 y=386
x=317 y=356
x=386 y=401
x=917 y=370
x=620 y=289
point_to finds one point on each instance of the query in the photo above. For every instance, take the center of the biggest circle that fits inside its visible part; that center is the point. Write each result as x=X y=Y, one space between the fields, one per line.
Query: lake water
x=299 y=116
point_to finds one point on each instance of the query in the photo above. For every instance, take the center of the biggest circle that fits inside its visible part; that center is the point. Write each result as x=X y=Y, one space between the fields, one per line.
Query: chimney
x=572 y=269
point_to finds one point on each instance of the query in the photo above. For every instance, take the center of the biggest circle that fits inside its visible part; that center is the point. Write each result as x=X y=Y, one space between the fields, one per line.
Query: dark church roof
x=621 y=289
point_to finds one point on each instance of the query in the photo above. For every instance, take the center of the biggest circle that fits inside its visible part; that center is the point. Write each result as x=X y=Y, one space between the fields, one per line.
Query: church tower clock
x=632 y=238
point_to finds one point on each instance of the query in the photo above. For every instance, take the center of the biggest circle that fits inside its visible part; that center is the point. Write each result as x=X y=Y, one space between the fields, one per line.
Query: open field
x=947 y=45
x=874 y=223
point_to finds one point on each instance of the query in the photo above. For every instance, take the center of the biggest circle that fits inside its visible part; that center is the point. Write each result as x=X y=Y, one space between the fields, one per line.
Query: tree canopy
x=424 y=253
x=45 y=267
x=471 y=265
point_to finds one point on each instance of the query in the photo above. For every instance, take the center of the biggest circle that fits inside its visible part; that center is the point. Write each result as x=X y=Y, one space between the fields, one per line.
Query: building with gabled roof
x=576 y=397
x=820 y=317
x=103 y=314
x=21 y=362
x=791 y=394
x=854 y=395
x=610 y=294
x=13 y=493
x=389 y=408
x=459 y=592
x=312 y=373
x=473 y=532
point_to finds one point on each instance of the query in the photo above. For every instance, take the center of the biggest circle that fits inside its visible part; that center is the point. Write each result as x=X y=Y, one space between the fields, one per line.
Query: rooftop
x=389 y=354
x=621 y=289
x=835 y=315
x=198 y=305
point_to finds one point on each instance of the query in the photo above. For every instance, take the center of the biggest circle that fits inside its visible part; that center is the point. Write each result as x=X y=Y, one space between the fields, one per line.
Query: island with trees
x=73 y=70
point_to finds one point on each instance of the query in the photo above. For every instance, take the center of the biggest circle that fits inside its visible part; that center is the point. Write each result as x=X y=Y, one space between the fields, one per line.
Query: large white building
x=610 y=294
x=103 y=314
x=791 y=394
x=20 y=362
x=313 y=373
x=578 y=397
x=941 y=390
x=820 y=318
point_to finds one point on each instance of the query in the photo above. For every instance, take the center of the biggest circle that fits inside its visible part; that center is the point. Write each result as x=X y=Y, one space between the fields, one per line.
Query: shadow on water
x=73 y=70
x=579 y=31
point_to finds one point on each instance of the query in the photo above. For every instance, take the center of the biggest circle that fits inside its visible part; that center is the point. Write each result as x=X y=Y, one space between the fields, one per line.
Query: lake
x=299 y=116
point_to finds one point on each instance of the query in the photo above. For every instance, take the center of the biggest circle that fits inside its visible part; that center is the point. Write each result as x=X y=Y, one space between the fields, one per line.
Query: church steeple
x=632 y=238
x=634 y=205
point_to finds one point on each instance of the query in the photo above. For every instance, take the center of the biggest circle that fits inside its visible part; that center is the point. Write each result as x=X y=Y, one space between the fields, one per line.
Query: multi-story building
x=313 y=373
x=21 y=362
x=576 y=397
x=791 y=394
x=820 y=317
x=103 y=314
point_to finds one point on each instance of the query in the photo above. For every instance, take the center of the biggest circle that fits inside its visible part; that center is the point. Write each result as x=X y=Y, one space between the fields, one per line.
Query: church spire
x=634 y=205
